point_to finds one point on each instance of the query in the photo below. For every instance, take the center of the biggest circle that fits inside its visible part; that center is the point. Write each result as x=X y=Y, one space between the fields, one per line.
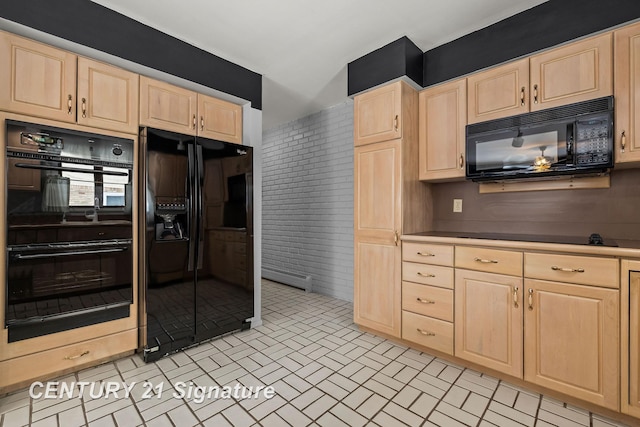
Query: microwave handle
x=570 y=140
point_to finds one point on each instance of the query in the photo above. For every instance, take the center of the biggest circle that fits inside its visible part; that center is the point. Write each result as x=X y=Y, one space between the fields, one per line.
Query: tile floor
x=325 y=372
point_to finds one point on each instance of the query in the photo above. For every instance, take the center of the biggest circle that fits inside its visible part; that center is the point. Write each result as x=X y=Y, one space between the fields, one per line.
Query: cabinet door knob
x=623 y=141
x=395 y=237
x=461 y=161
x=522 y=97
x=69 y=104
x=530 y=299
x=535 y=94
x=515 y=297
x=194 y=122
x=84 y=108
x=201 y=122
x=395 y=123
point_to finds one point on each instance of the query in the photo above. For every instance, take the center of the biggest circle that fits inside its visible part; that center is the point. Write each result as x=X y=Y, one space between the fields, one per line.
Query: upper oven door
x=55 y=176
x=520 y=150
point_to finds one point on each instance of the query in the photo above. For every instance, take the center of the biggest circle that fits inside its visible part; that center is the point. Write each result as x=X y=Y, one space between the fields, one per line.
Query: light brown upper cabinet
x=442 y=122
x=627 y=87
x=380 y=113
x=220 y=119
x=169 y=107
x=575 y=72
x=37 y=79
x=42 y=81
x=498 y=92
x=107 y=96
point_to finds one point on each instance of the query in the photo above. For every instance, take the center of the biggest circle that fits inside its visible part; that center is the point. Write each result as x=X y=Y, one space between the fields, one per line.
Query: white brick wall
x=307 y=199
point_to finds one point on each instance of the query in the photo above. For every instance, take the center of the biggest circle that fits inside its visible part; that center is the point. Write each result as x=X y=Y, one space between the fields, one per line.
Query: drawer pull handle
x=522 y=97
x=535 y=94
x=515 y=297
x=69 y=104
x=77 y=356
x=530 y=299
x=568 y=270
x=425 y=301
x=395 y=123
x=486 y=261
x=426 y=275
x=425 y=254
x=623 y=141
x=84 y=108
x=426 y=333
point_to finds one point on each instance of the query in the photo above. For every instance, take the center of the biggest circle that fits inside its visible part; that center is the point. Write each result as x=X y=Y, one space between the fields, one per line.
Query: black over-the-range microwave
x=569 y=140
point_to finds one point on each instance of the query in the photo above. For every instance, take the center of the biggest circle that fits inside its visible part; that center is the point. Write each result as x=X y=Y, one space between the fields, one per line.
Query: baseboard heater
x=288 y=278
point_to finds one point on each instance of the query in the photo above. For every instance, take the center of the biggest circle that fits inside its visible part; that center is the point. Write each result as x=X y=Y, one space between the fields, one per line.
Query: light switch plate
x=457 y=205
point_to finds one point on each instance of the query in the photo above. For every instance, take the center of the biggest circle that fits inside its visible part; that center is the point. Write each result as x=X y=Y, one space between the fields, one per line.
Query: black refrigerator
x=197 y=262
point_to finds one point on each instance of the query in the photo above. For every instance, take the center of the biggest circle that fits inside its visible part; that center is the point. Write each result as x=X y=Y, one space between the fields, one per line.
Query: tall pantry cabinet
x=389 y=200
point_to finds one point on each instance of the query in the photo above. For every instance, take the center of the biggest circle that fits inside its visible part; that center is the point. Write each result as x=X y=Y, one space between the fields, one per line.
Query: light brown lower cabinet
x=630 y=336
x=488 y=320
x=571 y=340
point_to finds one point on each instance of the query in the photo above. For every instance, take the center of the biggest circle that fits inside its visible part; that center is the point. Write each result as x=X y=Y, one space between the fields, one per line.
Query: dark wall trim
x=546 y=25
x=541 y=27
x=397 y=59
x=92 y=25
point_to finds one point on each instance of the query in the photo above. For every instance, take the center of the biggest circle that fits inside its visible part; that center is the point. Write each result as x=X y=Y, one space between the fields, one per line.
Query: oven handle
x=68 y=169
x=58 y=254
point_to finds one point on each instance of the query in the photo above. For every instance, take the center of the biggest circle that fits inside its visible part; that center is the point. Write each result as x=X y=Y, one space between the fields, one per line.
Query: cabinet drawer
x=66 y=358
x=489 y=260
x=429 y=332
x=573 y=269
x=428 y=300
x=428 y=253
x=426 y=274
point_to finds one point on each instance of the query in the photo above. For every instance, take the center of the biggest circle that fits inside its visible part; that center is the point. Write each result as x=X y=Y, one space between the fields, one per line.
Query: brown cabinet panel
x=488 y=320
x=576 y=72
x=377 y=286
x=37 y=79
x=219 y=119
x=630 y=335
x=107 y=96
x=377 y=191
x=571 y=340
x=499 y=92
x=378 y=115
x=442 y=121
x=627 y=93
x=168 y=107
x=427 y=331
x=428 y=300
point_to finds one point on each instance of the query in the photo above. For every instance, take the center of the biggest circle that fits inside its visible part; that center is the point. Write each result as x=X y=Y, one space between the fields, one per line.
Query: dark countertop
x=613 y=247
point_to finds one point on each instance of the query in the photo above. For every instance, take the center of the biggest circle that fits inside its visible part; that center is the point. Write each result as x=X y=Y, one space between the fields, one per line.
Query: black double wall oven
x=69 y=229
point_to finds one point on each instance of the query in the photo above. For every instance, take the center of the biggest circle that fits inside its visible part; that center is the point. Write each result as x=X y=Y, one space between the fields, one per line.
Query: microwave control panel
x=593 y=142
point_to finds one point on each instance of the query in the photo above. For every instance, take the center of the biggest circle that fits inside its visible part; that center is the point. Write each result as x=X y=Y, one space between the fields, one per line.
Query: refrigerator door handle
x=192 y=192
x=200 y=196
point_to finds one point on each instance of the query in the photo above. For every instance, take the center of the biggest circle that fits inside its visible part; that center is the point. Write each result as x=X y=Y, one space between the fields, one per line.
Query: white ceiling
x=302 y=47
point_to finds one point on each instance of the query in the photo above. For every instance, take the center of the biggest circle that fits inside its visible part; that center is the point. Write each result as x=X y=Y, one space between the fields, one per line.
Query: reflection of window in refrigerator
x=82 y=187
x=113 y=192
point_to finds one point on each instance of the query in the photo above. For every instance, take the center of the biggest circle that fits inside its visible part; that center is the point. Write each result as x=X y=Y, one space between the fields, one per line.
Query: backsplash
x=613 y=212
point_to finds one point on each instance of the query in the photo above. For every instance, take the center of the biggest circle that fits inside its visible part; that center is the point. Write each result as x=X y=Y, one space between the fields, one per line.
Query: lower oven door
x=62 y=286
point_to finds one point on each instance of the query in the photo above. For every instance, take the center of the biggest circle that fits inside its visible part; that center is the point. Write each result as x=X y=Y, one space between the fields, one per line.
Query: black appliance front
x=567 y=140
x=69 y=229
x=198 y=203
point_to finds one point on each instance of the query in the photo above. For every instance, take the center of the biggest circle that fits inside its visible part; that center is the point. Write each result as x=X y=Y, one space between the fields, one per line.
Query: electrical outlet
x=457 y=205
